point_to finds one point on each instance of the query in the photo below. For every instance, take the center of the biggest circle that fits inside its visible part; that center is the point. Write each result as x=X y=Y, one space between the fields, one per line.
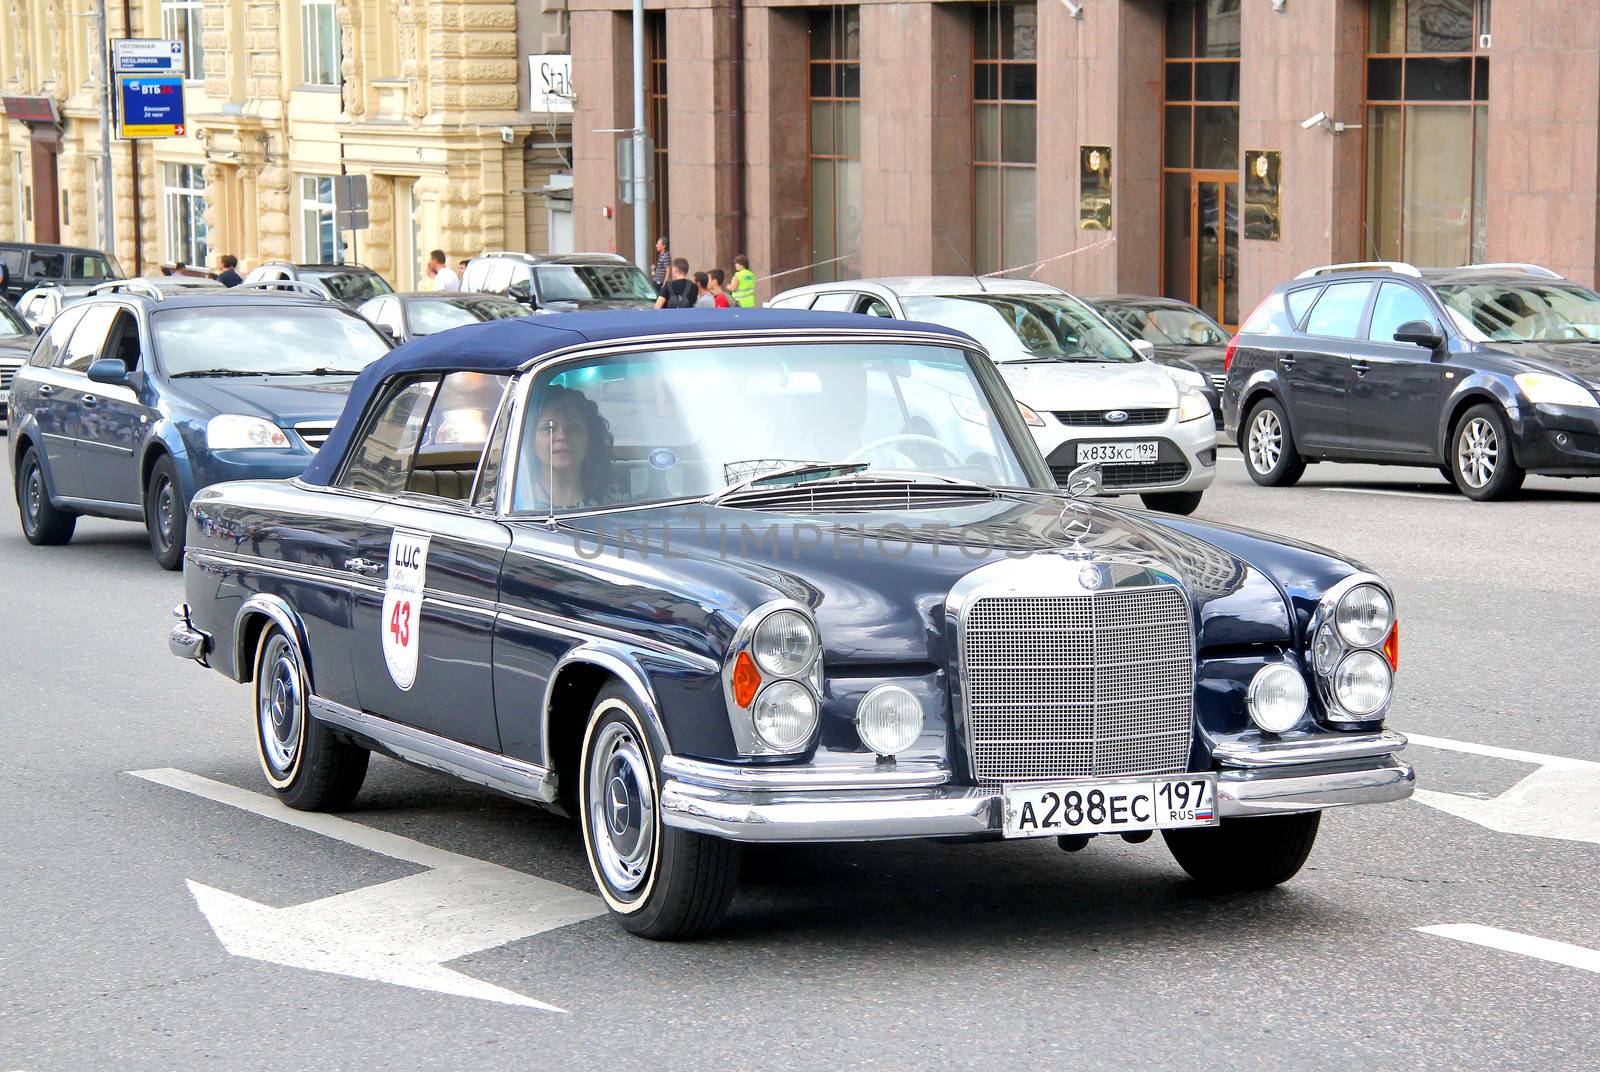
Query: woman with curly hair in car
x=570 y=466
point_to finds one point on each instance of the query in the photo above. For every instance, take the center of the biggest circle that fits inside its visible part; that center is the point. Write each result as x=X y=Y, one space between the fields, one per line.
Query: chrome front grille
x=6 y=372
x=1078 y=686
x=1219 y=380
x=315 y=433
x=1098 y=418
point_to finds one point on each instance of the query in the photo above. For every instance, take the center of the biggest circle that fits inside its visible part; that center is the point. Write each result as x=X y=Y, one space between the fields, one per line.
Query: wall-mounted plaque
x=1261 y=178
x=1094 y=187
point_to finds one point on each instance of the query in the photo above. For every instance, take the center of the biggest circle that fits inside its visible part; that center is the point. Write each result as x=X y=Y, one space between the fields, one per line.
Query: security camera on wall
x=1315 y=121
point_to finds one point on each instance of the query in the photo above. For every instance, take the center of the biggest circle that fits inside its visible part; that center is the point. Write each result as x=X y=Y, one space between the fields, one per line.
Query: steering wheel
x=903 y=437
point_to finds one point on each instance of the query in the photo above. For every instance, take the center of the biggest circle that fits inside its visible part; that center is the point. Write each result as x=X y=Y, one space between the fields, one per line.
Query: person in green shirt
x=744 y=283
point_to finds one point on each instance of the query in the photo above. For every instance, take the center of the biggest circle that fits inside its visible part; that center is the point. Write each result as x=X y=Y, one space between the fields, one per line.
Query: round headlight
x=785 y=714
x=784 y=644
x=1362 y=683
x=1364 y=616
x=1277 y=698
x=889 y=719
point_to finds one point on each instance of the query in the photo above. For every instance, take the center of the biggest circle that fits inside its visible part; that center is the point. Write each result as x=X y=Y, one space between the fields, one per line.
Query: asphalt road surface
x=898 y=956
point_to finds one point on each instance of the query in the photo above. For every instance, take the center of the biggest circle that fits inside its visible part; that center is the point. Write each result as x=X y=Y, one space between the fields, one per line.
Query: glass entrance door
x=1214 y=249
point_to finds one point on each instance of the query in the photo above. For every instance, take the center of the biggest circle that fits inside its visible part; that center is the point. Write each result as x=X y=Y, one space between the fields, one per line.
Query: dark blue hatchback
x=136 y=399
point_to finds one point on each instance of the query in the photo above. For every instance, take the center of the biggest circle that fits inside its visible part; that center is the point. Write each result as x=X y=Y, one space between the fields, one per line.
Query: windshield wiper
x=222 y=372
x=793 y=474
x=325 y=372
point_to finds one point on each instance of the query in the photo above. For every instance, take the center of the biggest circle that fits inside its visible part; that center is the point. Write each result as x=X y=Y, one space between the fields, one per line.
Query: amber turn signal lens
x=746 y=679
x=1391 y=647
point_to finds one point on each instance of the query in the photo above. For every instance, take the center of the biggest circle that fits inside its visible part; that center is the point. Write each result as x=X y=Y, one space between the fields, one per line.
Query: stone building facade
x=1103 y=145
x=430 y=99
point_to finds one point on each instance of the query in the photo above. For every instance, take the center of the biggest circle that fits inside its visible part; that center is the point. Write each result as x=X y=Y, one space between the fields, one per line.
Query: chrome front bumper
x=185 y=641
x=777 y=805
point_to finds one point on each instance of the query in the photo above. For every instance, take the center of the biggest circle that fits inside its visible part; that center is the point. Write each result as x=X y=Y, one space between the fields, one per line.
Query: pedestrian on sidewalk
x=229 y=276
x=679 y=292
x=744 y=283
x=702 y=297
x=663 y=264
x=439 y=271
x=719 y=293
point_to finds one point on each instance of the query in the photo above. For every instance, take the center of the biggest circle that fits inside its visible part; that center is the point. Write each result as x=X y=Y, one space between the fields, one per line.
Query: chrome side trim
x=549 y=623
x=278 y=610
x=868 y=774
x=323 y=574
x=1315 y=748
x=528 y=781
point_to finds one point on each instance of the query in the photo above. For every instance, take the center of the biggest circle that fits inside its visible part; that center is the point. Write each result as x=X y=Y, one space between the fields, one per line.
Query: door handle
x=46 y=389
x=362 y=565
x=91 y=400
x=1361 y=367
x=1286 y=361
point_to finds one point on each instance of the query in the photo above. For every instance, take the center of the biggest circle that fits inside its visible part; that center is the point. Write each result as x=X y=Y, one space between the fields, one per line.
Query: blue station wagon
x=137 y=397
x=775 y=576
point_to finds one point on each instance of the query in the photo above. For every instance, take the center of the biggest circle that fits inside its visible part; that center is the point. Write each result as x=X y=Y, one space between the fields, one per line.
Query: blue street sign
x=152 y=106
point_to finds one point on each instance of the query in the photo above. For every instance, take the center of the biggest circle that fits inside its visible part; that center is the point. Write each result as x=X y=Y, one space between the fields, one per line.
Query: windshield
x=687 y=423
x=350 y=287
x=278 y=340
x=588 y=282
x=1167 y=325
x=431 y=315
x=11 y=325
x=1527 y=312
x=1026 y=327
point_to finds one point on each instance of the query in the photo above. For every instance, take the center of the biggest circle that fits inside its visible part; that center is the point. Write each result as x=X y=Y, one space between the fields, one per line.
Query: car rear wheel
x=1480 y=455
x=1269 y=454
x=164 y=514
x=1245 y=854
x=1172 y=502
x=306 y=764
x=42 y=523
x=658 y=882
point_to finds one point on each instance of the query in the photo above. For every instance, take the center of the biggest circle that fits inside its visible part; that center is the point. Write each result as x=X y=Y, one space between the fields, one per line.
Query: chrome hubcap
x=621 y=808
x=1477 y=452
x=280 y=704
x=1266 y=441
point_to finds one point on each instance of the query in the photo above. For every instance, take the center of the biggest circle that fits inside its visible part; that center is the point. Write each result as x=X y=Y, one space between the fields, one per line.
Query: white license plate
x=1138 y=452
x=1164 y=803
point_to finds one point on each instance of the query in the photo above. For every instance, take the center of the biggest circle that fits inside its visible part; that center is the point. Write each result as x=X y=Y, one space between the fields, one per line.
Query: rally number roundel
x=401 y=622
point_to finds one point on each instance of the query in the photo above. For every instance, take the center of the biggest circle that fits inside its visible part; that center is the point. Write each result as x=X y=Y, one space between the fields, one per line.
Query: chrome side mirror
x=1087 y=479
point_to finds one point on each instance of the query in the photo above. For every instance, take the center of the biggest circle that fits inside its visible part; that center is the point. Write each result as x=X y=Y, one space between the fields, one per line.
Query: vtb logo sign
x=146 y=89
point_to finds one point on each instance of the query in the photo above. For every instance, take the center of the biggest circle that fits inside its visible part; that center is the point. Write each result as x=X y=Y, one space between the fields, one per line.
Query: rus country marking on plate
x=402 y=605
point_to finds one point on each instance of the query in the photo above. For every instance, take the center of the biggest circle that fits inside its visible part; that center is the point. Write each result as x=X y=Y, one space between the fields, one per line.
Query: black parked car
x=766 y=575
x=404 y=317
x=139 y=396
x=1180 y=336
x=30 y=264
x=16 y=342
x=1487 y=372
x=561 y=282
x=351 y=284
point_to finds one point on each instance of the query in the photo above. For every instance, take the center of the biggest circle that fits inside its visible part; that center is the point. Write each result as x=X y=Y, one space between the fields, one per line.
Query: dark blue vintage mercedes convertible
x=714 y=578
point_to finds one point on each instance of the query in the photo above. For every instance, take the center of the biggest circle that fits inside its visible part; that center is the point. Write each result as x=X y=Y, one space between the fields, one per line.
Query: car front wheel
x=1268 y=446
x=1245 y=854
x=42 y=523
x=1480 y=455
x=306 y=764
x=658 y=882
x=164 y=514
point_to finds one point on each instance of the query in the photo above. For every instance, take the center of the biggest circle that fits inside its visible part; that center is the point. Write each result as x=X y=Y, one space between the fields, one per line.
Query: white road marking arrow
x=1573 y=956
x=1560 y=800
x=400 y=932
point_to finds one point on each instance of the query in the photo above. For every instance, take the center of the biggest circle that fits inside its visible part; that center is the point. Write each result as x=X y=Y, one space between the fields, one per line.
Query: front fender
x=1477 y=387
x=165 y=436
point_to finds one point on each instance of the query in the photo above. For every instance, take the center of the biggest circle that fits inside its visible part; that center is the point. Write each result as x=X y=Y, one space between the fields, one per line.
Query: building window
x=835 y=143
x=319 y=241
x=180 y=21
x=183 y=193
x=1004 y=135
x=655 y=36
x=1200 y=156
x=319 y=43
x=1427 y=119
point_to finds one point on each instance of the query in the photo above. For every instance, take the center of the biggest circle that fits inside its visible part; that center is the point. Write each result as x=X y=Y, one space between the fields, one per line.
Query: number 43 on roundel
x=402 y=605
